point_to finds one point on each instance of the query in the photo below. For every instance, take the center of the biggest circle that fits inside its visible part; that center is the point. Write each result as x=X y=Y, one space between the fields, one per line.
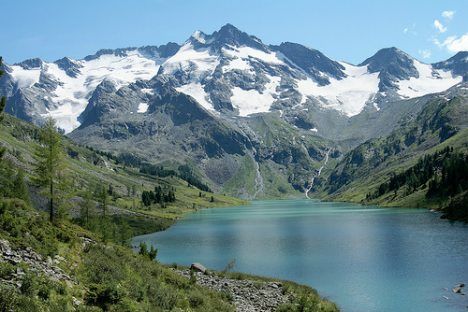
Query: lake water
x=363 y=258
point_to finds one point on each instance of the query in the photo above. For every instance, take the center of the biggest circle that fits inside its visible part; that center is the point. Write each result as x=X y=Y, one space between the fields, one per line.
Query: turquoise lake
x=363 y=258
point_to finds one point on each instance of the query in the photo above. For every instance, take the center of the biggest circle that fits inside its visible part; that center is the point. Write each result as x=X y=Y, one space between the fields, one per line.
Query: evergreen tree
x=152 y=253
x=87 y=207
x=19 y=188
x=2 y=106
x=143 y=249
x=49 y=166
x=103 y=200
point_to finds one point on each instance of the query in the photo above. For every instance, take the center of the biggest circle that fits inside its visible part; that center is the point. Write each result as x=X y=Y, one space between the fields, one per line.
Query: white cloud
x=439 y=26
x=411 y=30
x=453 y=43
x=425 y=54
x=448 y=14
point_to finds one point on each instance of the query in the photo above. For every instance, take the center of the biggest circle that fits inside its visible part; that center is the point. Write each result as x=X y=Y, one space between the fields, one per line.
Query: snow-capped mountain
x=62 y=89
x=252 y=118
x=229 y=73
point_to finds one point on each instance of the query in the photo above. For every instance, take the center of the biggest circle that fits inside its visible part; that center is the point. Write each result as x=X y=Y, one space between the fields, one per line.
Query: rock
x=76 y=302
x=458 y=288
x=247 y=295
x=198 y=267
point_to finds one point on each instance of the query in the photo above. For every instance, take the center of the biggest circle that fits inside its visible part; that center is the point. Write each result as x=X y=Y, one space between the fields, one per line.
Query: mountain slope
x=229 y=72
x=442 y=122
x=215 y=100
x=59 y=266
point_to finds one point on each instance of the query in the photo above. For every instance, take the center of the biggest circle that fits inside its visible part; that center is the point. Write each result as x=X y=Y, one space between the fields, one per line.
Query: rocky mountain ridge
x=253 y=119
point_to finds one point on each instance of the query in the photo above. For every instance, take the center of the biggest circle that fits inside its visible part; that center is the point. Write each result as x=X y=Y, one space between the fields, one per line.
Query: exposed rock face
x=247 y=295
x=392 y=65
x=35 y=262
x=227 y=98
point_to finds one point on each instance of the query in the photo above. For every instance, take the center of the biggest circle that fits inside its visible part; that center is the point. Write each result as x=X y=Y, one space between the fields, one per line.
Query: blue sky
x=430 y=30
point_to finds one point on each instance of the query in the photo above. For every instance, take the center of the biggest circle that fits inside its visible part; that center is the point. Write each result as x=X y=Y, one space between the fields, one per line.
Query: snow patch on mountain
x=430 y=80
x=348 y=95
x=247 y=53
x=71 y=95
x=25 y=78
x=147 y=91
x=196 y=90
x=252 y=101
x=198 y=35
x=237 y=64
x=142 y=108
x=196 y=61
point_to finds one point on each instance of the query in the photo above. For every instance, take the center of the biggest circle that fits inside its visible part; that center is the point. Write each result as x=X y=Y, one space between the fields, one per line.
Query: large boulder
x=198 y=267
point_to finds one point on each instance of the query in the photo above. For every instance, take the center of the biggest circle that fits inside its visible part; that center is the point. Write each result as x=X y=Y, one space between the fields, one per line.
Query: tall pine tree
x=2 y=105
x=49 y=166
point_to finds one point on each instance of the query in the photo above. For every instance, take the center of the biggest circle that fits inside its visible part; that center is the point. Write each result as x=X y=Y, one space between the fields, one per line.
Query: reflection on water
x=363 y=258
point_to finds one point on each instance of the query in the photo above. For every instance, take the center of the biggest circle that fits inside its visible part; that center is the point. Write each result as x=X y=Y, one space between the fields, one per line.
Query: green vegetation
x=49 y=168
x=412 y=166
x=159 y=196
x=107 y=276
x=110 y=277
x=91 y=234
x=443 y=176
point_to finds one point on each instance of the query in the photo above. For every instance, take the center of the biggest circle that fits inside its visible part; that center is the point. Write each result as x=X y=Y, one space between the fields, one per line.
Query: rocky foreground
x=247 y=295
x=37 y=263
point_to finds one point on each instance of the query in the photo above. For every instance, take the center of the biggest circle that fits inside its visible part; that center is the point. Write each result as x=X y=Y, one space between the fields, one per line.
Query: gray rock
x=458 y=288
x=248 y=296
x=198 y=267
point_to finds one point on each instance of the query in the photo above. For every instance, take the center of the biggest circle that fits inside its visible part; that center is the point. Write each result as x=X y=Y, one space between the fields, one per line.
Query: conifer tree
x=49 y=166
x=19 y=188
x=2 y=106
x=87 y=207
x=103 y=200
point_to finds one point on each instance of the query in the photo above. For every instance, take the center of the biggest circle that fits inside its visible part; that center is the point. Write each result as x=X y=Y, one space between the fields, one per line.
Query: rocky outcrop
x=198 y=267
x=247 y=295
x=35 y=262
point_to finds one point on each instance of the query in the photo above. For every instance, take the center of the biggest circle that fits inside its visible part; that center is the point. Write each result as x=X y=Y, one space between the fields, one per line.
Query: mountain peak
x=71 y=67
x=457 y=64
x=199 y=36
x=390 y=54
x=31 y=63
x=229 y=28
x=231 y=35
x=312 y=61
x=392 y=63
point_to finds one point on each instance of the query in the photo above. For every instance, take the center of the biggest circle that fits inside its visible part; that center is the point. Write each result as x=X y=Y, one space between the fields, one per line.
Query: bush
x=196 y=299
x=6 y=270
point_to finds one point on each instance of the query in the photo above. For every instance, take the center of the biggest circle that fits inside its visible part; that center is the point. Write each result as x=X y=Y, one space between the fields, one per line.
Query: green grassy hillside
x=370 y=166
x=76 y=265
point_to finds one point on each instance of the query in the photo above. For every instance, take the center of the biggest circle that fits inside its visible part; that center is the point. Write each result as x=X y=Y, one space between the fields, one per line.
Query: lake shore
x=334 y=247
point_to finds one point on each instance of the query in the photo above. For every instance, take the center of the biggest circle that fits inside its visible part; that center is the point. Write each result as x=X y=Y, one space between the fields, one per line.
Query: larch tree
x=87 y=207
x=49 y=167
x=2 y=105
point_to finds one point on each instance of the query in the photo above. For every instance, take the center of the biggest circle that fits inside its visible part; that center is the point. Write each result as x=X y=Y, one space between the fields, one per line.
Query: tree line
x=444 y=174
x=158 y=196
